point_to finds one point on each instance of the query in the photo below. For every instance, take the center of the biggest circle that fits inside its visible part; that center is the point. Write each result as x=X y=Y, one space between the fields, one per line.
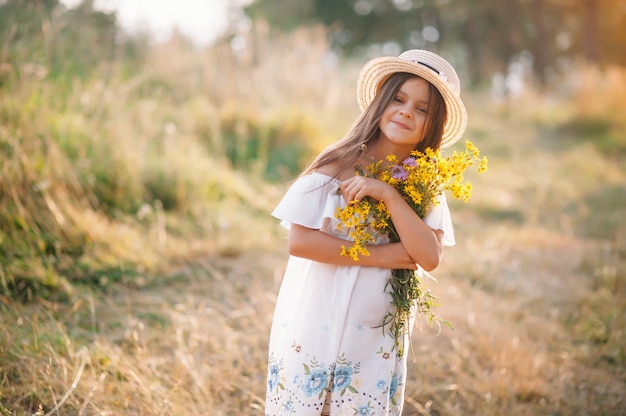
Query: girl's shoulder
x=334 y=170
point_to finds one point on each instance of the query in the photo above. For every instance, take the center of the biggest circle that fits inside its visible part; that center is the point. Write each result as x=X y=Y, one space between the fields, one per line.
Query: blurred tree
x=599 y=30
x=591 y=35
x=541 y=36
x=354 y=24
x=493 y=33
x=285 y=16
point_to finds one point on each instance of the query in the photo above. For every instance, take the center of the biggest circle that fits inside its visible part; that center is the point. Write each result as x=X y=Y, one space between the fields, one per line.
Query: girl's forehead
x=415 y=80
x=415 y=86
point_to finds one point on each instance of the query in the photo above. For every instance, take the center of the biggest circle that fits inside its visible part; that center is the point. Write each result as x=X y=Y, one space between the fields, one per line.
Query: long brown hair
x=365 y=131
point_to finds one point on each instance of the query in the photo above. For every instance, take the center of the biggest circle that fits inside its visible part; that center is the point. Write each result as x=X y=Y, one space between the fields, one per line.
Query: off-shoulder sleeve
x=439 y=218
x=309 y=201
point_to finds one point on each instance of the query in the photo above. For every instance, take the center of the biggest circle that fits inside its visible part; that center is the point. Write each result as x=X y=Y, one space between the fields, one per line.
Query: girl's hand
x=422 y=244
x=390 y=256
x=358 y=187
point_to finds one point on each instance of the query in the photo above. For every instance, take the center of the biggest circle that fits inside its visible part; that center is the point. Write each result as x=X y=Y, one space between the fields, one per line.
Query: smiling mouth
x=401 y=125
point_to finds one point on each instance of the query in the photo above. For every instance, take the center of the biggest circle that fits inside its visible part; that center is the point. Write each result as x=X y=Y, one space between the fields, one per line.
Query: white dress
x=327 y=320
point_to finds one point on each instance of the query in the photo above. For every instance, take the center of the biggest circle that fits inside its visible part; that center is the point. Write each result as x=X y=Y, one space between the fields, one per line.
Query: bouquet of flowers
x=420 y=179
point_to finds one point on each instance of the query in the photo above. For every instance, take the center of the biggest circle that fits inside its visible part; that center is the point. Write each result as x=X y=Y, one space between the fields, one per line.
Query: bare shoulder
x=328 y=170
x=335 y=170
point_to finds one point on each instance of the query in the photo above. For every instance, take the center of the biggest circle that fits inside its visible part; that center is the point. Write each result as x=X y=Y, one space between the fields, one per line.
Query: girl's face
x=403 y=122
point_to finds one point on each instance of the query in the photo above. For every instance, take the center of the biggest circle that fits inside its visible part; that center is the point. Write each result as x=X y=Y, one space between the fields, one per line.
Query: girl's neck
x=379 y=152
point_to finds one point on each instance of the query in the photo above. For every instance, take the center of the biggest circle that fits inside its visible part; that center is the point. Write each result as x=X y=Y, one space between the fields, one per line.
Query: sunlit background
x=143 y=145
x=201 y=21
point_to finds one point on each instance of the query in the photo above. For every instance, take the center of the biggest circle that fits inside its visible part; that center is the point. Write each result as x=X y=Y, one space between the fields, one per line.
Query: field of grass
x=140 y=265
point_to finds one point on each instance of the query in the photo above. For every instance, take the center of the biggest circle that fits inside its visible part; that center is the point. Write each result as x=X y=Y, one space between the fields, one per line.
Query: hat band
x=427 y=66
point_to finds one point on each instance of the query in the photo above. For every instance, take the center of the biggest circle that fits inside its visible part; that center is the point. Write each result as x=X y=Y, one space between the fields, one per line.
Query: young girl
x=328 y=354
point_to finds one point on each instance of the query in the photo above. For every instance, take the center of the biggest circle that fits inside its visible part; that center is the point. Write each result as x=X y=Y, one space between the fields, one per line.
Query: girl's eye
x=421 y=110
x=398 y=100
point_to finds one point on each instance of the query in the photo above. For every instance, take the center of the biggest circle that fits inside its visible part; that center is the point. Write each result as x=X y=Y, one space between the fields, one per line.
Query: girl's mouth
x=401 y=125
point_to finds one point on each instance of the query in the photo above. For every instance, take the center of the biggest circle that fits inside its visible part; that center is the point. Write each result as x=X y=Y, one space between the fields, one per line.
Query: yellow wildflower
x=420 y=179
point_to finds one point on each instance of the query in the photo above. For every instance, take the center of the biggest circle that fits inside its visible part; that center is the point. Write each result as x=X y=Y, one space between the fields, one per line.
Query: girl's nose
x=405 y=112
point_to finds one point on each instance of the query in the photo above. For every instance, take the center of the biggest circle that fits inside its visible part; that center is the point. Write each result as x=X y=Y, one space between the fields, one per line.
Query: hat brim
x=376 y=72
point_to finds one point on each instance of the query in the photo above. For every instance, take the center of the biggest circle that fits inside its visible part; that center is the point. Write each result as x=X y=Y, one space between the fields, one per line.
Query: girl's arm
x=324 y=248
x=421 y=242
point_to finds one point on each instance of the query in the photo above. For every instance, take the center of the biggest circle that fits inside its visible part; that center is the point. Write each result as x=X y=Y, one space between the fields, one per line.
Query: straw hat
x=425 y=64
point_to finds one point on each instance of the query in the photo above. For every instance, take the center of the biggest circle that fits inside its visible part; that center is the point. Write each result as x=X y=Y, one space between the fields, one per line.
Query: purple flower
x=409 y=161
x=398 y=172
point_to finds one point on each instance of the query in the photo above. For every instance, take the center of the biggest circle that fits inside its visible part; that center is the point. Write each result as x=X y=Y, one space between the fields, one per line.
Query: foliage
x=44 y=40
x=275 y=148
x=104 y=172
x=77 y=196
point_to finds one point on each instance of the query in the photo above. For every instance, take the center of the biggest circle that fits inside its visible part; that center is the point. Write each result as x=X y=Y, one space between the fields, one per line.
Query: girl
x=328 y=354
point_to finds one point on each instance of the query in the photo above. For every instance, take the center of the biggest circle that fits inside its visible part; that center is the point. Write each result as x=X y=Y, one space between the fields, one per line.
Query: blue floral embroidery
x=364 y=410
x=273 y=373
x=272 y=379
x=343 y=377
x=393 y=388
x=381 y=384
x=315 y=381
x=394 y=385
x=288 y=405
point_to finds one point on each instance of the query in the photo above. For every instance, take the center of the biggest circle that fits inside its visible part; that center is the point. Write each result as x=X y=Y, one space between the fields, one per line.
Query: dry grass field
x=535 y=286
